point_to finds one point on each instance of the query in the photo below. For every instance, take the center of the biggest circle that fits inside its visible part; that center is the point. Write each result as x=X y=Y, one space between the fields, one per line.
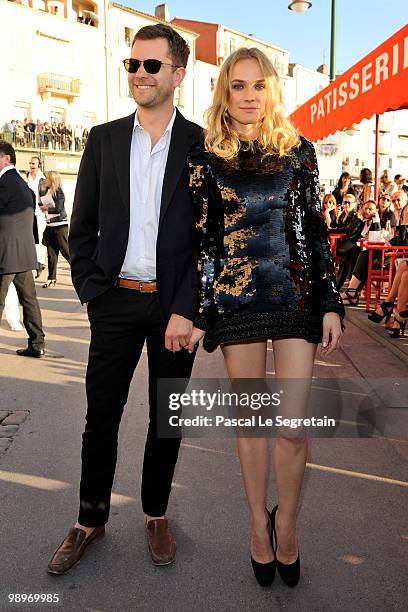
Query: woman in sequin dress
x=265 y=272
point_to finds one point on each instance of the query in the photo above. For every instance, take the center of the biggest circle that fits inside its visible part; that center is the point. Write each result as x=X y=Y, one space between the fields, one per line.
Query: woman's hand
x=331 y=332
x=196 y=336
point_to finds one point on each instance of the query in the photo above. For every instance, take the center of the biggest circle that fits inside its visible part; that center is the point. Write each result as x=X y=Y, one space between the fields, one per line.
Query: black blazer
x=17 y=204
x=354 y=228
x=58 y=208
x=100 y=218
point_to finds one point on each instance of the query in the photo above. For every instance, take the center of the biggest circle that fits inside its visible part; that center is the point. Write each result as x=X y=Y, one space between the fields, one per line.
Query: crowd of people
x=352 y=210
x=46 y=135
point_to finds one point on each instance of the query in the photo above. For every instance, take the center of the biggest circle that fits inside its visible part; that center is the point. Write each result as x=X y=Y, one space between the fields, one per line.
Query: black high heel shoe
x=265 y=572
x=401 y=318
x=352 y=296
x=386 y=308
x=290 y=573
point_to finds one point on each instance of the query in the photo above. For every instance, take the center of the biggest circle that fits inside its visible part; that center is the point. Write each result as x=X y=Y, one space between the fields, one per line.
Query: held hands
x=331 y=332
x=196 y=336
x=178 y=333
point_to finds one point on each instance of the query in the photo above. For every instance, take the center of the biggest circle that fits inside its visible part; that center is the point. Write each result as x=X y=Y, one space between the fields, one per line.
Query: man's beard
x=158 y=97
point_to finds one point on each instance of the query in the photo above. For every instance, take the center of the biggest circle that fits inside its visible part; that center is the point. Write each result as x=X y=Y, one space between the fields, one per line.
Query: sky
x=361 y=25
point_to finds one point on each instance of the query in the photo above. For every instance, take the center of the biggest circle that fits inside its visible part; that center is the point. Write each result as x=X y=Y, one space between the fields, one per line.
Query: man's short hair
x=7 y=149
x=178 y=47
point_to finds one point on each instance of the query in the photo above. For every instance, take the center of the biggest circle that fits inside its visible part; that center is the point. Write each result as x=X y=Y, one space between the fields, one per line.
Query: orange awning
x=376 y=84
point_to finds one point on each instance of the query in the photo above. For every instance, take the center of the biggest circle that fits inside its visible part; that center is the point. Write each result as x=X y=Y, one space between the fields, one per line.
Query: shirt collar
x=11 y=167
x=168 y=128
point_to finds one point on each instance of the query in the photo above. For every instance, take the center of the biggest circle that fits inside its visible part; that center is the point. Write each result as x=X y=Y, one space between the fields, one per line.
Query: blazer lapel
x=176 y=159
x=121 y=134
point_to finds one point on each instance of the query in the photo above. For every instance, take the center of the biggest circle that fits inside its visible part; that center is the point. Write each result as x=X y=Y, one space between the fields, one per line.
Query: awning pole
x=377 y=122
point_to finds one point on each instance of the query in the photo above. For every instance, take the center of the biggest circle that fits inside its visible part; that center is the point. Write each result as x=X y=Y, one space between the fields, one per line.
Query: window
x=233 y=45
x=390 y=162
x=129 y=36
x=213 y=82
x=57 y=115
x=22 y=110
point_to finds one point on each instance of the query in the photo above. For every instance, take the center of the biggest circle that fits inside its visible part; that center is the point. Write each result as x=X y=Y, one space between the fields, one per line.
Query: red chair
x=377 y=277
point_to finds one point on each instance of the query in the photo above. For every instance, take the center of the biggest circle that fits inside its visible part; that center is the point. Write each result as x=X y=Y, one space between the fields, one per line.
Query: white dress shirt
x=147 y=168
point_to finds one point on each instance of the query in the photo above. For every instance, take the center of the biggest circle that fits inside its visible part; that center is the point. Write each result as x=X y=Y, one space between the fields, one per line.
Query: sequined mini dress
x=264 y=263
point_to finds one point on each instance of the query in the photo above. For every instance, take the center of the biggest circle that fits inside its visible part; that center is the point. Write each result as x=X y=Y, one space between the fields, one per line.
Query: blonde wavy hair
x=276 y=134
x=55 y=179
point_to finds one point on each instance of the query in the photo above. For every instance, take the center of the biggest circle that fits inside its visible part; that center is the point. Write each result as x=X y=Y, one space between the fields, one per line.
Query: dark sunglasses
x=152 y=66
x=385 y=198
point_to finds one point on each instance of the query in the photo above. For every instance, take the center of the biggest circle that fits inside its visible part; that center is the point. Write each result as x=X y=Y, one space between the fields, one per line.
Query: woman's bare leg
x=392 y=294
x=402 y=297
x=249 y=361
x=294 y=358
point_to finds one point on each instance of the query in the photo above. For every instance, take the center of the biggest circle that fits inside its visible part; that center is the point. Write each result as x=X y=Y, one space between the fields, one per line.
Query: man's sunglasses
x=385 y=199
x=151 y=66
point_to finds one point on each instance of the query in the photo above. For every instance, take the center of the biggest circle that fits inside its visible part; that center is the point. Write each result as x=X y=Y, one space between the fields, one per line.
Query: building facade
x=67 y=69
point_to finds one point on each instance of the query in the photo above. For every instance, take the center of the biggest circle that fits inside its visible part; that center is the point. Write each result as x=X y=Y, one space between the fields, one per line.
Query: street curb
x=386 y=343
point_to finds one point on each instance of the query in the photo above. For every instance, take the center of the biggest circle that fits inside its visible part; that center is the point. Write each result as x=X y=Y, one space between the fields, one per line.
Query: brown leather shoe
x=72 y=548
x=162 y=545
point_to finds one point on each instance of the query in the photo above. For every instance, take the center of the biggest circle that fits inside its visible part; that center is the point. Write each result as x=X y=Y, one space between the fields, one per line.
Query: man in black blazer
x=17 y=248
x=131 y=244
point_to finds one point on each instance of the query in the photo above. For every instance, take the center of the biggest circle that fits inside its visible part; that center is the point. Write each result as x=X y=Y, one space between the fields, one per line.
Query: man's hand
x=331 y=332
x=178 y=333
x=196 y=336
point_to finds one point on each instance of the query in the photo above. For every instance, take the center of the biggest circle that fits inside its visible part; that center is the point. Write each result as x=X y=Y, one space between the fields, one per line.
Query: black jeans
x=346 y=266
x=25 y=287
x=121 y=321
x=56 y=241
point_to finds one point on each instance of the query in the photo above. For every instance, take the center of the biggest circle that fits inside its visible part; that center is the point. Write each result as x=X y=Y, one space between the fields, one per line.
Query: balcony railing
x=58 y=85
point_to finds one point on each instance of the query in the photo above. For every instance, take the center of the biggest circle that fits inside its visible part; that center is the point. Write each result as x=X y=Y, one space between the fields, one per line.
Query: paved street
x=353 y=525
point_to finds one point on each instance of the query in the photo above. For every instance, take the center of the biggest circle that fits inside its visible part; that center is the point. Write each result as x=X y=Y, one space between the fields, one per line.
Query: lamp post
x=300 y=6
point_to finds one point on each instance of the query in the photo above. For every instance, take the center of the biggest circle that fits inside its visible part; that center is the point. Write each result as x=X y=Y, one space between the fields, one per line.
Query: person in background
x=18 y=257
x=367 y=220
x=400 y=181
x=78 y=137
x=347 y=211
x=385 y=213
x=367 y=191
x=56 y=233
x=85 y=135
x=343 y=187
x=329 y=210
x=386 y=184
x=47 y=135
x=399 y=199
x=398 y=293
x=34 y=176
x=39 y=129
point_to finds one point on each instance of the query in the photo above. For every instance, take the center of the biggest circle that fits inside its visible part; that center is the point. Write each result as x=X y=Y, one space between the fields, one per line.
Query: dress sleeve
x=329 y=297
x=201 y=185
